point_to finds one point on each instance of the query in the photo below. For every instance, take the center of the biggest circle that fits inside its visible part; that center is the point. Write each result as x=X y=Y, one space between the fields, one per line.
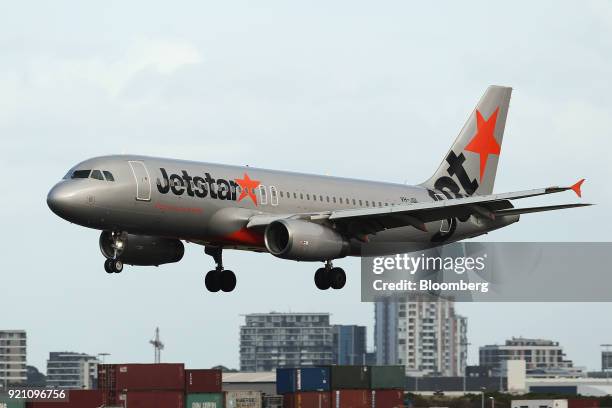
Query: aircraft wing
x=364 y=221
x=371 y=220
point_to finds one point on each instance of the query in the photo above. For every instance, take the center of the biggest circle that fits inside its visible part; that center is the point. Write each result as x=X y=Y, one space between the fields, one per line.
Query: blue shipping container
x=285 y=380
x=290 y=380
x=313 y=379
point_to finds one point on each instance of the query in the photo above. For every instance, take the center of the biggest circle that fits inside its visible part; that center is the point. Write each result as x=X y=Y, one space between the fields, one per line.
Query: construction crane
x=158 y=346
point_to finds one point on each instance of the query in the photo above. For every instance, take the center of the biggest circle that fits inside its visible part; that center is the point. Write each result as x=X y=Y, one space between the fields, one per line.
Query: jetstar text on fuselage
x=218 y=189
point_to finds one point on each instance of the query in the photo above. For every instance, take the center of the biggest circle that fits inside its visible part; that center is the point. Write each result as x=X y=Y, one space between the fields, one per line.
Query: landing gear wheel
x=228 y=281
x=337 y=278
x=107 y=266
x=117 y=265
x=321 y=279
x=213 y=281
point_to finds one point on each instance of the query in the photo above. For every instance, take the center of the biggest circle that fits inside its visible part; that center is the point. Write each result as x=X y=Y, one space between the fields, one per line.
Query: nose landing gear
x=330 y=277
x=113 y=266
x=116 y=244
x=219 y=278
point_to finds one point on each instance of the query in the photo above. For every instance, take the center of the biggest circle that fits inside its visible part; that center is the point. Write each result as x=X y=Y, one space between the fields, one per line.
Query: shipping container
x=150 y=377
x=6 y=402
x=242 y=399
x=205 y=400
x=157 y=399
x=352 y=399
x=290 y=380
x=307 y=400
x=350 y=377
x=75 y=399
x=583 y=403
x=201 y=381
x=387 y=398
x=387 y=377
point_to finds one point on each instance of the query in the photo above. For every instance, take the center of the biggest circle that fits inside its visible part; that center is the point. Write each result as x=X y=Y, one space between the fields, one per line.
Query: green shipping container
x=350 y=377
x=204 y=400
x=387 y=377
x=6 y=402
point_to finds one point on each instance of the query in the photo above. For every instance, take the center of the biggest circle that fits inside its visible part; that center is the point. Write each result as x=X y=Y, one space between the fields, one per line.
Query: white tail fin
x=470 y=165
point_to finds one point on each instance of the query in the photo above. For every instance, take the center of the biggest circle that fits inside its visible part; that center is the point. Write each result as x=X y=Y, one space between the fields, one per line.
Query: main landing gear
x=219 y=278
x=330 y=277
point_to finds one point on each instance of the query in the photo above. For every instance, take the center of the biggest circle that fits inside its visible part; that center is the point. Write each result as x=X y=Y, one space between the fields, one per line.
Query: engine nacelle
x=304 y=241
x=143 y=250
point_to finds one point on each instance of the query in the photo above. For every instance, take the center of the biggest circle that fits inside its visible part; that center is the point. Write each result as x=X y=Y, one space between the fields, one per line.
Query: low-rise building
x=543 y=358
x=69 y=370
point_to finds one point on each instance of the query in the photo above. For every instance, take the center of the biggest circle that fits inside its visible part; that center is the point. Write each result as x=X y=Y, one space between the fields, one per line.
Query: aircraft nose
x=59 y=199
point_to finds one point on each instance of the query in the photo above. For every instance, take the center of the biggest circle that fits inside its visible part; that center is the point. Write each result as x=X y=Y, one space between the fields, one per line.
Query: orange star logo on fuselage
x=247 y=188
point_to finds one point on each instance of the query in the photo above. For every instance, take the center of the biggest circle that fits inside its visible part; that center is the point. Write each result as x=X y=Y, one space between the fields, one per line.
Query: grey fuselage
x=205 y=203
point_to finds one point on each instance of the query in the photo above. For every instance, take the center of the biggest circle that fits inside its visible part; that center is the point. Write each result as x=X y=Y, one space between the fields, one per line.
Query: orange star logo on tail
x=484 y=142
x=247 y=188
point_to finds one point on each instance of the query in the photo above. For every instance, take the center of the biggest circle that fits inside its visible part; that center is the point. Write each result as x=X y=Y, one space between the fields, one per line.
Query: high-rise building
x=350 y=344
x=13 y=369
x=71 y=370
x=272 y=340
x=542 y=357
x=423 y=334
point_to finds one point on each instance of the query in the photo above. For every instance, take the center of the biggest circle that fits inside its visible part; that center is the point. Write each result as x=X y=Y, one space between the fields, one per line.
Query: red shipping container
x=197 y=381
x=307 y=400
x=583 y=403
x=150 y=377
x=351 y=399
x=388 y=398
x=154 y=399
x=76 y=399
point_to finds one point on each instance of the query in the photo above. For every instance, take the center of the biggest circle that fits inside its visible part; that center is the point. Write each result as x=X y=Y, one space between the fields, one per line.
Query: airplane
x=147 y=206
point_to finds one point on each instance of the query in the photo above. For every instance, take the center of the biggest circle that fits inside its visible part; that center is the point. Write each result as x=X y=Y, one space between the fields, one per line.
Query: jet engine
x=143 y=250
x=304 y=241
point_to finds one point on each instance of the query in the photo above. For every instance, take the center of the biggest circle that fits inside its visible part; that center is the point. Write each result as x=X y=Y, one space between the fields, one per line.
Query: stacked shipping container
x=341 y=387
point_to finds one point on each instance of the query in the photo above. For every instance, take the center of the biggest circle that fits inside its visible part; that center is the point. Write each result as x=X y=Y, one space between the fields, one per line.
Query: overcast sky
x=374 y=90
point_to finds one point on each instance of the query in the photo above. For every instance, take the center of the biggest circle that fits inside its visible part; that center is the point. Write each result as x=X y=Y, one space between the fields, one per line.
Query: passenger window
x=314 y=197
x=281 y=194
x=108 y=175
x=263 y=197
x=334 y=198
x=321 y=198
x=340 y=200
x=97 y=174
x=360 y=203
x=273 y=196
x=367 y=203
x=295 y=195
x=301 y=196
x=354 y=202
x=81 y=174
x=308 y=196
x=328 y=199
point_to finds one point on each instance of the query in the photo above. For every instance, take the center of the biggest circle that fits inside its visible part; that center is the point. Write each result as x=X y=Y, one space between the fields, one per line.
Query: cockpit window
x=80 y=174
x=97 y=174
x=109 y=175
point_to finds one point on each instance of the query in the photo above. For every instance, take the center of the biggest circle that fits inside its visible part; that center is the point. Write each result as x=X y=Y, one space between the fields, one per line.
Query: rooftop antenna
x=157 y=345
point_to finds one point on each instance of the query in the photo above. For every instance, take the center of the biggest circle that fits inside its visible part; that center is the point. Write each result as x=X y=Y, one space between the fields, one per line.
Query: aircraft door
x=143 y=181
